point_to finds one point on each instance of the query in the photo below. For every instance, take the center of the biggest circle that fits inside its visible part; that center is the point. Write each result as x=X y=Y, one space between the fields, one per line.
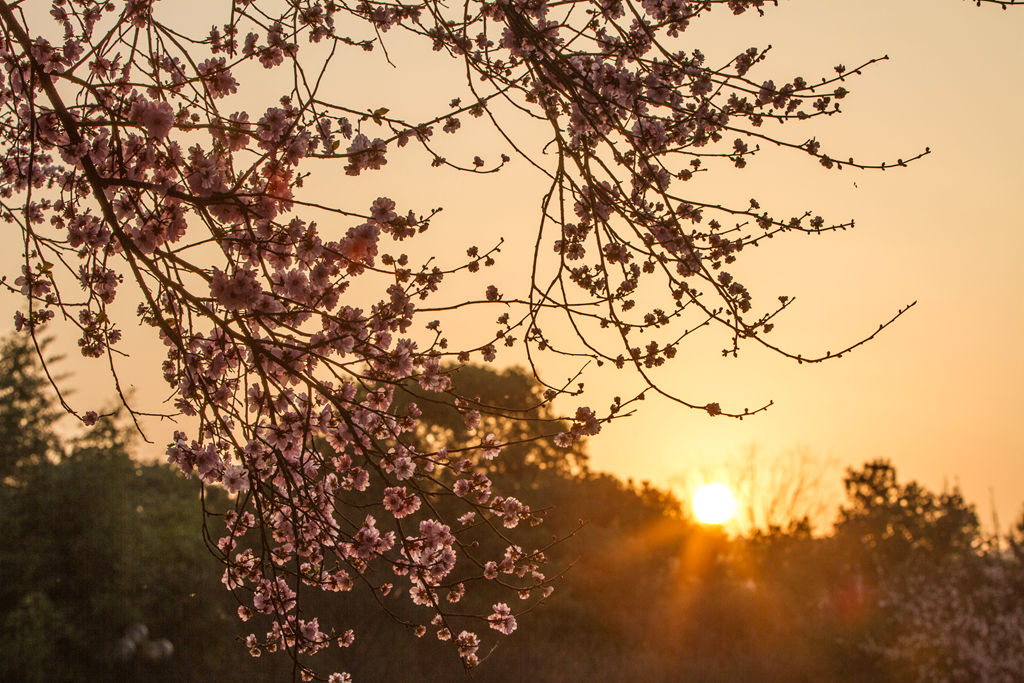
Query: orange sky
x=940 y=393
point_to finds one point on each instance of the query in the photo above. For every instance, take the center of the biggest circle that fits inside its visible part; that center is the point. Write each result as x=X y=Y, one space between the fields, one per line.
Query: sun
x=714 y=504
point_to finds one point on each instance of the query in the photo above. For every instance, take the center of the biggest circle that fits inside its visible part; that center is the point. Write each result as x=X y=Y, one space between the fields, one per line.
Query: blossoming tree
x=130 y=170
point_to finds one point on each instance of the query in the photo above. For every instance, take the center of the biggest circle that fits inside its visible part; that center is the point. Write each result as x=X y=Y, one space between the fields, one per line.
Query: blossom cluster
x=292 y=328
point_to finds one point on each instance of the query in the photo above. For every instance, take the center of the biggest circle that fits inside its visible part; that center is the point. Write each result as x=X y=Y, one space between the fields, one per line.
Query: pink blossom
x=360 y=244
x=468 y=644
x=240 y=290
x=399 y=502
x=501 y=619
x=491 y=447
x=156 y=117
x=383 y=210
x=218 y=78
x=364 y=154
x=235 y=479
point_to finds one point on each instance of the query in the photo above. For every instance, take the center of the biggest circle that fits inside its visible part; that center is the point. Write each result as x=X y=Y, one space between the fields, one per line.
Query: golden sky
x=940 y=392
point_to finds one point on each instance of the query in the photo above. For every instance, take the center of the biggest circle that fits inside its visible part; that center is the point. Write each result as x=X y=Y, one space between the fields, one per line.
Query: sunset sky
x=940 y=392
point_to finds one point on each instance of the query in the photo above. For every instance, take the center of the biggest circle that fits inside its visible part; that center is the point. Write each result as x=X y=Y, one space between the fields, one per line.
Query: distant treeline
x=105 y=575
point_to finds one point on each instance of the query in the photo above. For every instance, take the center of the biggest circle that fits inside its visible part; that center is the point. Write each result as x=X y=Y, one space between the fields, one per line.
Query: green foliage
x=947 y=606
x=1015 y=539
x=29 y=638
x=898 y=523
x=95 y=541
x=27 y=412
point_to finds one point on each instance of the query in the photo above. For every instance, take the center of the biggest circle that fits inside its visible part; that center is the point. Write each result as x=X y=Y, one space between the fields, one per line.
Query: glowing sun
x=714 y=504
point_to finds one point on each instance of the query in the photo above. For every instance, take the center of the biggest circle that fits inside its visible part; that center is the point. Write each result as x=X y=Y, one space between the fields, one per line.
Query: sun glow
x=714 y=504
